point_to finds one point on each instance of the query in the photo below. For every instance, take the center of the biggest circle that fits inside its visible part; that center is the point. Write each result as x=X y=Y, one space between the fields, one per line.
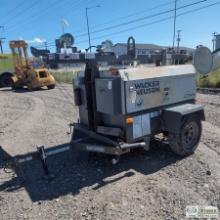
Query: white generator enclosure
x=141 y=89
x=140 y=93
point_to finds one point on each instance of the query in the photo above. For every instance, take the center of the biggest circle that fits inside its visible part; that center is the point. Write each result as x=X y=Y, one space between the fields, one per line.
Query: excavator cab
x=25 y=73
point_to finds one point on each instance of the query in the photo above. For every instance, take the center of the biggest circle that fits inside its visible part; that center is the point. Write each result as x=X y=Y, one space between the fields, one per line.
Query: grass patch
x=64 y=77
x=212 y=81
x=6 y=63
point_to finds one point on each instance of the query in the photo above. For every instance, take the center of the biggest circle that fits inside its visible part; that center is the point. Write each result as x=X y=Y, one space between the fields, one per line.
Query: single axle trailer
x=124 y=109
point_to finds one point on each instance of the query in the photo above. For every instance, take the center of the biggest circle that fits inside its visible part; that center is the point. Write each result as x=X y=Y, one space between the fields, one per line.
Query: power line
x=14 y=9
x=53 y=45
x=132 y=14
x=143 y=18
x=57 y=2
x=36 y=16
x=24 y=10
x=151 y=23
x=154 y=22
x=76 y=7
x=136 y=13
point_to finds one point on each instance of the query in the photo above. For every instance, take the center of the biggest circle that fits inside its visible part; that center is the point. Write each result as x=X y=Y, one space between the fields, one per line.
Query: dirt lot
x=144 y=185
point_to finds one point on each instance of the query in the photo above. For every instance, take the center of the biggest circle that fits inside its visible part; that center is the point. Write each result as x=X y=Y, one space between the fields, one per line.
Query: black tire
x=187 y=140
x=51 y=87
x=6 y=81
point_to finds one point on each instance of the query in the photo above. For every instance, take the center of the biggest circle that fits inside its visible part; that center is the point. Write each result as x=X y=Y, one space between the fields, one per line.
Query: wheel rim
x=190 y=135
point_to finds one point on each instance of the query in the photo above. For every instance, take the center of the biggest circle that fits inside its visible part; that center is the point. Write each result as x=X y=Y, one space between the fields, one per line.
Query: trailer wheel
x=186 y=141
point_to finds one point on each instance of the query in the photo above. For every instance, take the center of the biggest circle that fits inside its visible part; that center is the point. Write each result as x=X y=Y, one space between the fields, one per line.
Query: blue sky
x=38 y=20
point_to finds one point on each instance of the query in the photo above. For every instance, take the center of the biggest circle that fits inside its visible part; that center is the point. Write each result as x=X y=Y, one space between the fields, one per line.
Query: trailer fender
x=173 y=116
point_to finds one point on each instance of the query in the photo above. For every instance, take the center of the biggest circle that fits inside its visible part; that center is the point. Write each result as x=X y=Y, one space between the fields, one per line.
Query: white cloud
x=36 y=40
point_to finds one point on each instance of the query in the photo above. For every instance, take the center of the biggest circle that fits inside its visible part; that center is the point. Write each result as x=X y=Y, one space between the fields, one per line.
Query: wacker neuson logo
x=145 y=88
x=204 y=212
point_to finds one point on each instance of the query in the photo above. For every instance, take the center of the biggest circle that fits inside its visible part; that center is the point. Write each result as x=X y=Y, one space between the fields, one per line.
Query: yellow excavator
x=25 y=73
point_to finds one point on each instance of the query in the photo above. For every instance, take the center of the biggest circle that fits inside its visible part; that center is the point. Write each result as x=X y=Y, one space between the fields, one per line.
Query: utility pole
x=45 y=44
x=178 y=45
x=213 y=40
x=87 y=22
x=1 y=40
x=174 y=28
x=1 y=45
x=178 y=41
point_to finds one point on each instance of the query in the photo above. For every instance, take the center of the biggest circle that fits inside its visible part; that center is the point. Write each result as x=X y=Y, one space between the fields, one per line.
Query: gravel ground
x=144 y=185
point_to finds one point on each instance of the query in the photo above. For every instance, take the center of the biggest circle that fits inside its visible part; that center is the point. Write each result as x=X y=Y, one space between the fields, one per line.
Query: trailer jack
x=41 y=154
x=43 y=158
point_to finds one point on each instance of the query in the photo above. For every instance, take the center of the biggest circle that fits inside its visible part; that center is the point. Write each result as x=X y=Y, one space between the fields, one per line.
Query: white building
x=141 y=49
